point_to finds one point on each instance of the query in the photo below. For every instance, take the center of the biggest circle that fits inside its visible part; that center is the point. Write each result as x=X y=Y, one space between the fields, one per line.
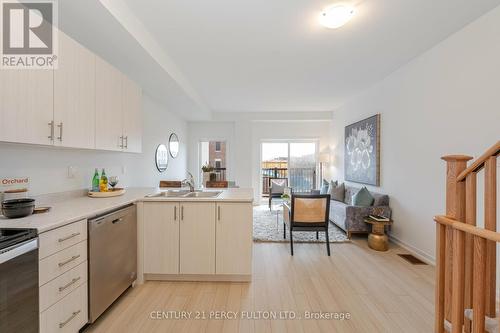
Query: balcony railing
x=299 y=179
x=220 y=174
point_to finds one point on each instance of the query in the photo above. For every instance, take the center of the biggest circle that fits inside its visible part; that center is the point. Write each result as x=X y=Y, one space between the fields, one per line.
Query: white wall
x=47 y=166
x=244 y=136
x=158 y=125
x=445 y=101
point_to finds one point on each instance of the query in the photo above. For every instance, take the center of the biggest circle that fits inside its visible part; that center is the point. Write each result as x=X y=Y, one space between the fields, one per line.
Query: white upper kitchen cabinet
x=132 y=116
x=109 y=115
x=74 y=95
x=26 y=106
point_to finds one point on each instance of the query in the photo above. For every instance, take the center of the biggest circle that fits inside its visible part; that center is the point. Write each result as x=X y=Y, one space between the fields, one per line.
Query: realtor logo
x=28 y=34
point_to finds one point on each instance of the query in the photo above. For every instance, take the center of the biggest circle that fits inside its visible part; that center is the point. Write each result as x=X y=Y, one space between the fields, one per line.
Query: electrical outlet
x=71 y=172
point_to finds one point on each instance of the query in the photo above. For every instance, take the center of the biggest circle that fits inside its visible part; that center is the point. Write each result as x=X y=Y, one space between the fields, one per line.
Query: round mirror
x=173 y=145
x=161 y=157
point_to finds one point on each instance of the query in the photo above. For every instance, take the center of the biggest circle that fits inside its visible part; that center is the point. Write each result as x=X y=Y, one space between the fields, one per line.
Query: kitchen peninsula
x=196 y=236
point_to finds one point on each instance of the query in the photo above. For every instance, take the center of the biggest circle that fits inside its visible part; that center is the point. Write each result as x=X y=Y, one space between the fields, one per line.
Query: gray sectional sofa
x=350 y=218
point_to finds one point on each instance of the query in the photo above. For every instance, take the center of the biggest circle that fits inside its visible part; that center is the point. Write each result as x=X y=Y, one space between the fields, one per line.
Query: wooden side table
x=377 y=239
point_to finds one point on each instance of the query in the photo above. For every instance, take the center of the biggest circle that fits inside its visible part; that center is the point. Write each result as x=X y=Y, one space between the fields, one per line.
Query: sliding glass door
x=291 y=160
x=274 y=163
x=302 y=166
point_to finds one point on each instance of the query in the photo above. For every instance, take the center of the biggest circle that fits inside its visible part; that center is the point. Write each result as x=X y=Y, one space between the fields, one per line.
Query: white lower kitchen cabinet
x=197 y=238
x=63 y=266
x=161 y=238
x=68 y=315
x=234 y=237
x=196 y=241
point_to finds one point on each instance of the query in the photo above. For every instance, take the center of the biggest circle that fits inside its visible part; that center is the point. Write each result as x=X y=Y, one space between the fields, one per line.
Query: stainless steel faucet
x=189 y=181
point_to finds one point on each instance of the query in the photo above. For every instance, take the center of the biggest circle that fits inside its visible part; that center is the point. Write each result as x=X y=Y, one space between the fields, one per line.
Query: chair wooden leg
x=317 y=234
x=284 y=230
x=291 y=241
x=327 y=242
x=270 y=198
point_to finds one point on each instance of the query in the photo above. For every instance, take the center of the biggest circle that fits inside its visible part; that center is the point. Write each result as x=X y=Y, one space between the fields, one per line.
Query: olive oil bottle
x=95 y=181
x=103 y=183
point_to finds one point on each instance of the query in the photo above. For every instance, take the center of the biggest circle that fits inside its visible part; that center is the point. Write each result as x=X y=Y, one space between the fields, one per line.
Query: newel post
x=455 y=209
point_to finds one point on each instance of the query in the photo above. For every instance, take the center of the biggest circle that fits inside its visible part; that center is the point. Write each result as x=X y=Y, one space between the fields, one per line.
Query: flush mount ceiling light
x=335 y=16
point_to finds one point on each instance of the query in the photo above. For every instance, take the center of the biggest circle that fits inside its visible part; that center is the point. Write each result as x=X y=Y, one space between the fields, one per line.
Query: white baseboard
x=418 y=253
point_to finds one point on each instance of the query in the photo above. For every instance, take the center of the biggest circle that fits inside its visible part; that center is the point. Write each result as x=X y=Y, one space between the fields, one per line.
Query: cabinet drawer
x=61 y=238
x=61 y=262
x=55 y=290
x=67 y=315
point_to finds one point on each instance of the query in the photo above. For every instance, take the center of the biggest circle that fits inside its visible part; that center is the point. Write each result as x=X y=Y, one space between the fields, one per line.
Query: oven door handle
x=18 y=250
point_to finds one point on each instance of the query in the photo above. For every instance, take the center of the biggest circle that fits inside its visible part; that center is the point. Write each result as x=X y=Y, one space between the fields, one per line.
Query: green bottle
x=103 y=184
x=95 y=181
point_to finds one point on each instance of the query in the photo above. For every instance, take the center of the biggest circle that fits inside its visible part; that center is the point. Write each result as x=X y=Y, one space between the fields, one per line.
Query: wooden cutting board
x=111 y=193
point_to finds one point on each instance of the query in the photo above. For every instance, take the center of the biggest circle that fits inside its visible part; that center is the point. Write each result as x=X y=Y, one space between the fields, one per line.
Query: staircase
x=465 y=253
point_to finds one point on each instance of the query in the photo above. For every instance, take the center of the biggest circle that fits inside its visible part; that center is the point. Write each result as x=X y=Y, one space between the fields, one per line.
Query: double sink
x=186 y=194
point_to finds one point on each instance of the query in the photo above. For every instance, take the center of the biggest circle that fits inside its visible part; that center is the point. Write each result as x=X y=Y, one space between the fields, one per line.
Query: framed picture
x=362 y=151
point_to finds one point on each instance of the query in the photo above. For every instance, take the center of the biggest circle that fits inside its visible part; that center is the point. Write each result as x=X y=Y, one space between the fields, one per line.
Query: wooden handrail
x=462 y=226
x=479 y=163
x=466 y=254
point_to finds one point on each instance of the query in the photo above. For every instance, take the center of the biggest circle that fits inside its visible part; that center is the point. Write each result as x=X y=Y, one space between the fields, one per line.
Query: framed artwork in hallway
x=362 y=151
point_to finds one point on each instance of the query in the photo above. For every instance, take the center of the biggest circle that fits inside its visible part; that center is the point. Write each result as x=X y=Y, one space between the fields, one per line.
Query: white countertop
x=75 y=209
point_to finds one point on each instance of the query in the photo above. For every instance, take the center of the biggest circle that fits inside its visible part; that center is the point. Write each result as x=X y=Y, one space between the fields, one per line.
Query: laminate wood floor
x=380 y=292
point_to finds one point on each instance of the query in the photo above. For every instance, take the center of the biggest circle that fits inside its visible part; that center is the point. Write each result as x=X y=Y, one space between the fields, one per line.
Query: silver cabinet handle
x=51 y=136
x=126 y=142
x=60 y=240
x=218 y=213
x=60 y=131
x=73 y=315
x=61 y=264
x=120 y=143
x=66 y=286
x=175 y=213
x=182 y=213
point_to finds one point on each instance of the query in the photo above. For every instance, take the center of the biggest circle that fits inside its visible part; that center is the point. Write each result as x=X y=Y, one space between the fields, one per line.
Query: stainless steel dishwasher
x=112 y=257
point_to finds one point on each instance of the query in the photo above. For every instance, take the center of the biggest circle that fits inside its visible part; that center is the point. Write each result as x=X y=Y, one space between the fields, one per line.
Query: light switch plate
x=71 y=172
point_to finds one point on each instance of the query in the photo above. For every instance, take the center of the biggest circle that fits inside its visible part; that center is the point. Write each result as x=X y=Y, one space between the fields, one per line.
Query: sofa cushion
x=325 y=185
x=338 y=213
x=337 y=193
x=380 y=199
x=363 y=198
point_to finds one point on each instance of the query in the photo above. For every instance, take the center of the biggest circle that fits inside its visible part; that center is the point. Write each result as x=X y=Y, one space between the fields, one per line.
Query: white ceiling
x=260 y=55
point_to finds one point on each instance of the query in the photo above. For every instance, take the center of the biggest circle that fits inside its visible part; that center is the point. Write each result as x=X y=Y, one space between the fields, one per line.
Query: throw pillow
x=337 y=192
x=324 y=187
x=362 y=198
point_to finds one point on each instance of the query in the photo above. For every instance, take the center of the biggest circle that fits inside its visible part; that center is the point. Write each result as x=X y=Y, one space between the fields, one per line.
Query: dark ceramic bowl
x=17 y=208
x=18 y=202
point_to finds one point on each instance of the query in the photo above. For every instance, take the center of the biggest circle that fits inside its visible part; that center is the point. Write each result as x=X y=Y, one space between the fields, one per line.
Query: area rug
x=265 y=228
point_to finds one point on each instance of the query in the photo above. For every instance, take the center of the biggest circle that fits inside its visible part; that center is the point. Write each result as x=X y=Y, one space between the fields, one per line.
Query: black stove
x=19 y=301
x=12 y=236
